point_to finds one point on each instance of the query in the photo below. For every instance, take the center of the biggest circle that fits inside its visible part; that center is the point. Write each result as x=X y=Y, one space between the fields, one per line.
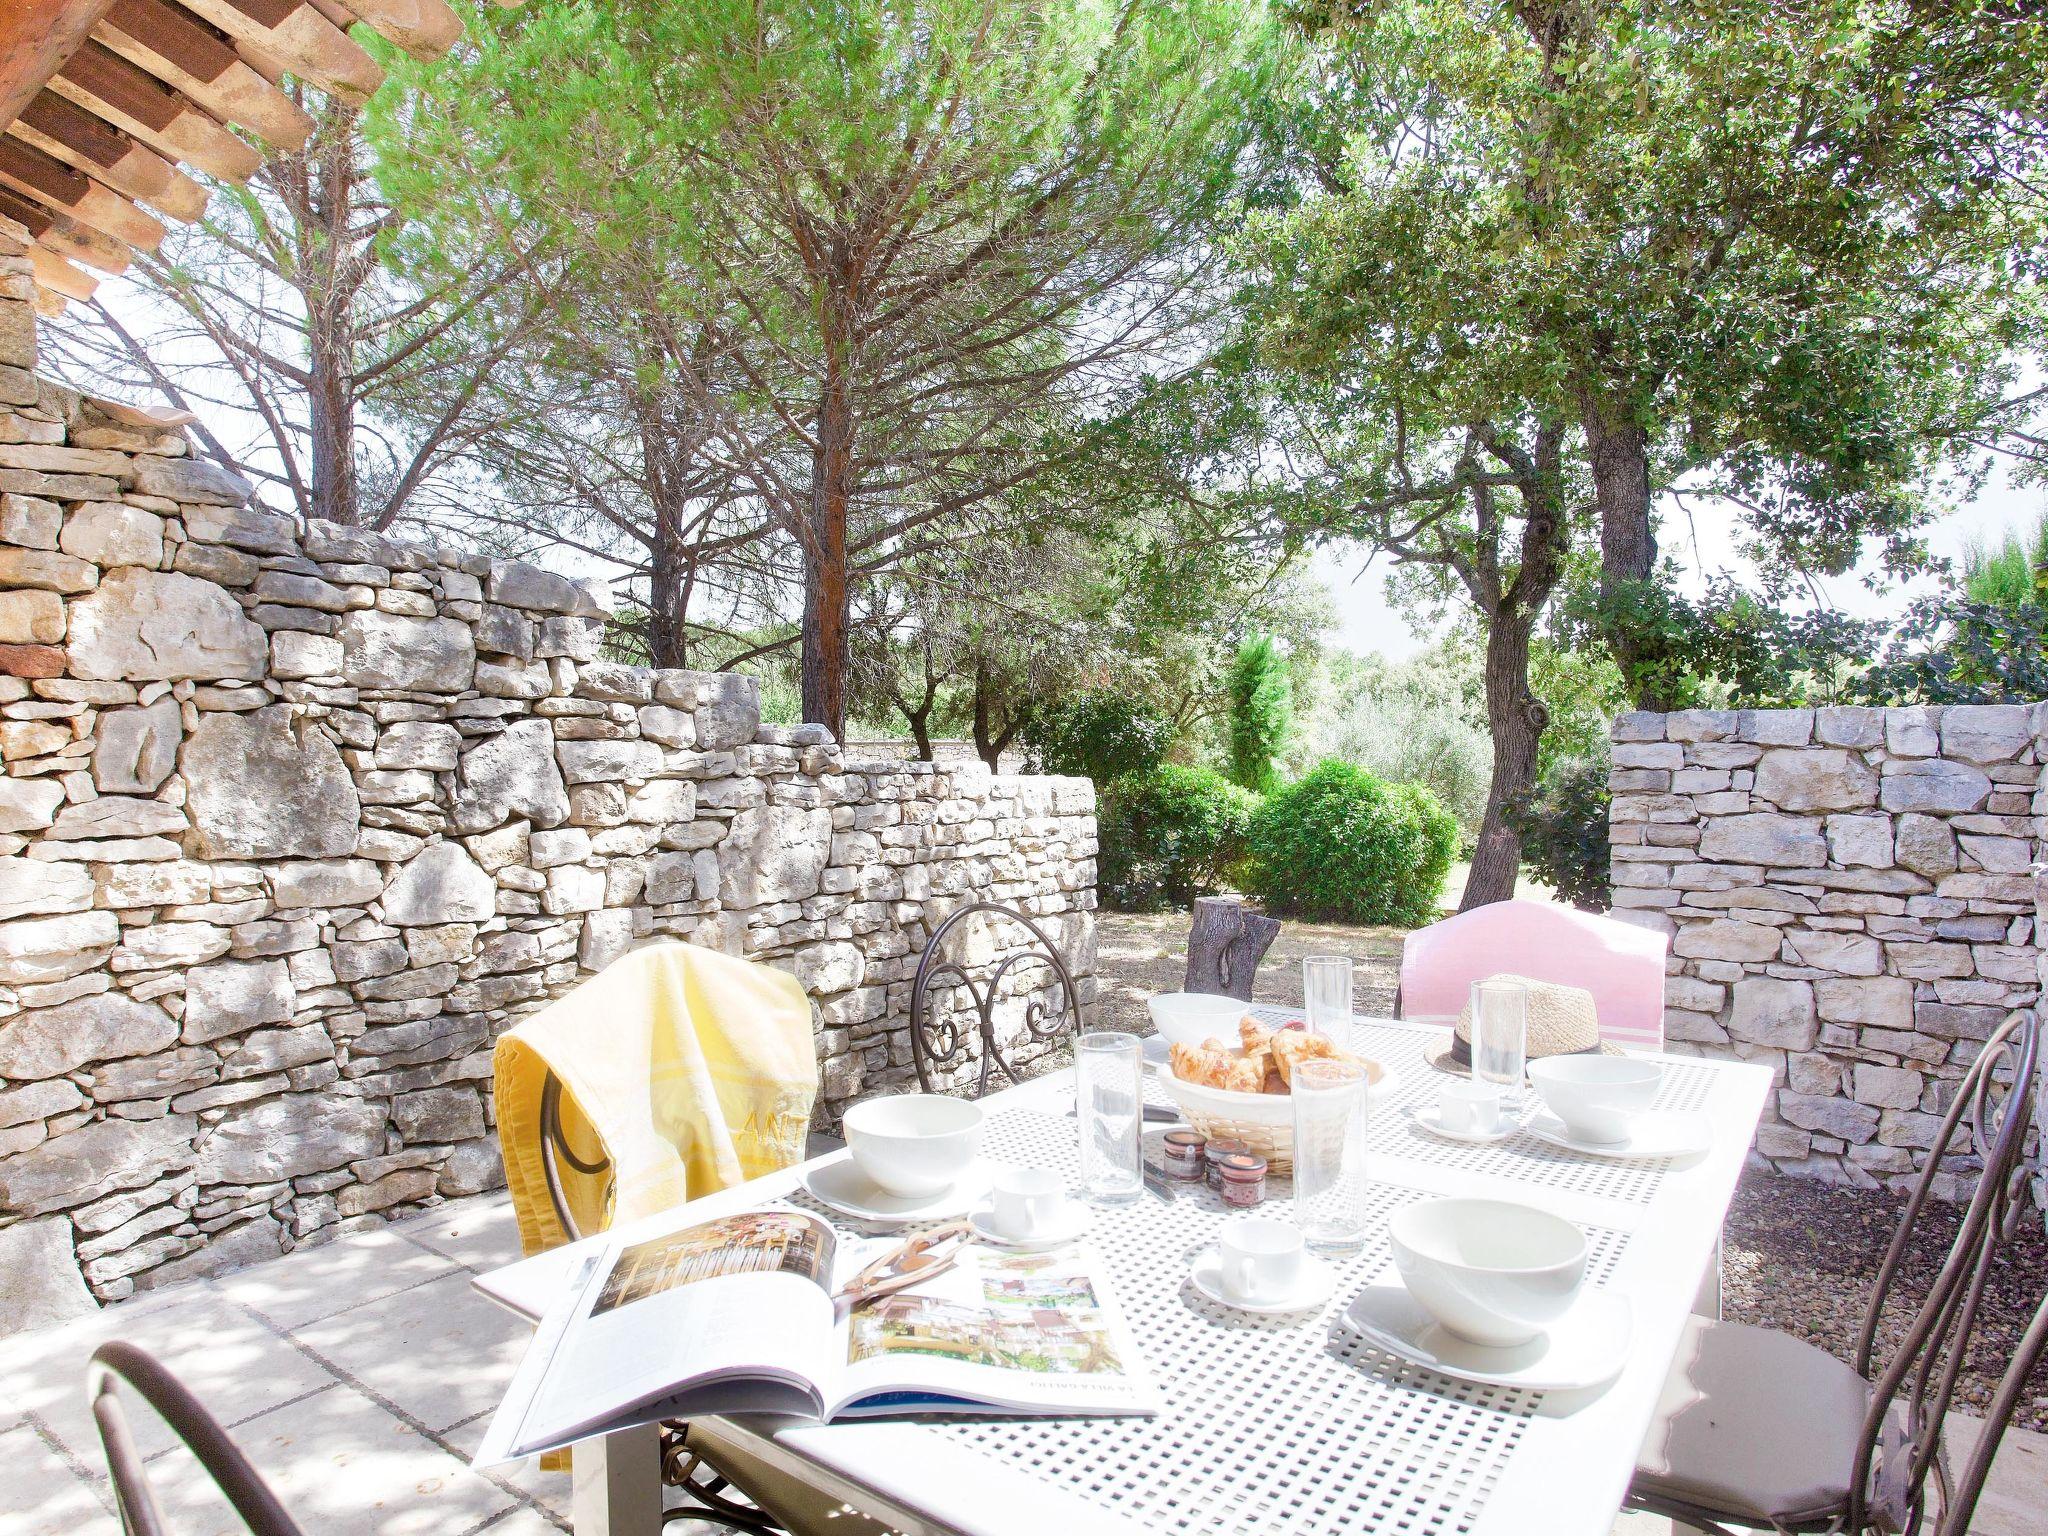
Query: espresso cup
x=1468 y=1108
x=1261 y=1258
x=1027 y=1201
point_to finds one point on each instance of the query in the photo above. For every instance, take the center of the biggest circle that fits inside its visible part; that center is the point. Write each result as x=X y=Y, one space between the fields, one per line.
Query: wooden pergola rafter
x=108 y=104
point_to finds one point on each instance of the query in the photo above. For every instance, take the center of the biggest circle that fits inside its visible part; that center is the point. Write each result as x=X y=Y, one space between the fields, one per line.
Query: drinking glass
x=1109 y=1104
x=1500 y=1036
x=1329 y=1154
x=1326 y=996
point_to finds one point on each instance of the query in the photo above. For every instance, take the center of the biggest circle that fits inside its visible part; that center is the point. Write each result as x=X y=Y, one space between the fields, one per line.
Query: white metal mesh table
x=1296 y=1424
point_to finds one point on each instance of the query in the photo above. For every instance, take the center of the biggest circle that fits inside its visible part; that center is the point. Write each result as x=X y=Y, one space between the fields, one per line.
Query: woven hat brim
x=1438 y=1054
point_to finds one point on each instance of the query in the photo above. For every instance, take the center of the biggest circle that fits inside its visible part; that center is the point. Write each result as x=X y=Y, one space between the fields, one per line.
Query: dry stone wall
x=295 y=820
x=1852 y=898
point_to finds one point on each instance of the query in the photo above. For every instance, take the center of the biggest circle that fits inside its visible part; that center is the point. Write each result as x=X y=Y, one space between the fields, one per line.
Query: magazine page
x=1000 y=1332
x=729 y=1315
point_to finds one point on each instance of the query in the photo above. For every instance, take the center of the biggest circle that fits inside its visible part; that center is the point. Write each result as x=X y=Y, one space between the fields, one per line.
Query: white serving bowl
x=913 y=1143
x=1490 y=1271
x=1189 y=1018
x=1595 y=1096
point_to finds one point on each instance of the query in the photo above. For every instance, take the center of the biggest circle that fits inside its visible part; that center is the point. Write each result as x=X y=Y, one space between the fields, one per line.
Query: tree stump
x=1225 y=945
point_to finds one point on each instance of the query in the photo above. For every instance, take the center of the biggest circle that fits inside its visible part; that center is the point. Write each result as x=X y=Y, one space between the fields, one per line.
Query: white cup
x=1469 y=1108
x=1261 y=1258
x=1028 y=1201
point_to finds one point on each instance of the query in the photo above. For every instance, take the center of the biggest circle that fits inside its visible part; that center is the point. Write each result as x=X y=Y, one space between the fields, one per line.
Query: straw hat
x=1562 y=1022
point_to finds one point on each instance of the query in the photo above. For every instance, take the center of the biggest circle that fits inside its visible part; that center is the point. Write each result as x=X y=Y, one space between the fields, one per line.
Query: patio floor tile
x=235 y=1364
x=439 y=1351
x=343 y=1467
x=317 y=1282
x=480 y=1234
x=551 y=1490
x=44 y=1497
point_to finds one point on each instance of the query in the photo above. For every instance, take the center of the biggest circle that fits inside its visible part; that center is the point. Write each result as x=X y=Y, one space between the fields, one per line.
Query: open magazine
x=737 y=1315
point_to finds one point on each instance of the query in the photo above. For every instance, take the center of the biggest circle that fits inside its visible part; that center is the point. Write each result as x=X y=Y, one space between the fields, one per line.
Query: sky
x=1703 y=547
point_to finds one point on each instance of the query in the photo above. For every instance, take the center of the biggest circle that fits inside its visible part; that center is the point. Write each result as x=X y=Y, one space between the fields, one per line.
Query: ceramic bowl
x=1189 y=1018
x=1595 y=1096
x=913 y=1143
x=1490 y=1271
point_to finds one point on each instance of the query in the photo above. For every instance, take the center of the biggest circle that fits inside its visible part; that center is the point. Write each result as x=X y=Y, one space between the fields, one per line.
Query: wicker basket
x=1262 y=1121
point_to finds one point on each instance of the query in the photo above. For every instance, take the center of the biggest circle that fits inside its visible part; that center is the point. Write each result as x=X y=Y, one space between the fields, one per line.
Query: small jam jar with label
x=1244 y=1178
x=1184 y=1154
x=1220 y=1147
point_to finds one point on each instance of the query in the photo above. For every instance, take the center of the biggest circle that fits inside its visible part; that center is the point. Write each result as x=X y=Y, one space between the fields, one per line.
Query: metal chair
x=938 y=1039
x=119 y=1363
x=1756 y=1428
x=1961 y=1505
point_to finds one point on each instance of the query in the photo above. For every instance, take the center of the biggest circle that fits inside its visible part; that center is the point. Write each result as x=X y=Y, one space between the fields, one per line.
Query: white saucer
x=1072 y=1226
x=841 y=1185
x=1318 y=1280
x=1587 y=1347
x=1428 y=1118
x=1682 y=1134
x=1155 y=1049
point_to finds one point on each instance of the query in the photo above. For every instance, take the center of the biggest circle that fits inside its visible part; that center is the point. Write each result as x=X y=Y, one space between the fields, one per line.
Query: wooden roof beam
x=298 y=37
x=59 y=276
x=133 y=99
x=426 y=29
x=172 y=44
x=35 y=37
x=53 y=183
x=64 y=236
x=91 y=144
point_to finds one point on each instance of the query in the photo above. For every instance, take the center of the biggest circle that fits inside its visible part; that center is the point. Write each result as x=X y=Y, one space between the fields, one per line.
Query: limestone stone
x=267 y=785
x=1887 y=1087
x=191 y=480
x=1986 y=733
x=113 y=533
x=94 y=1160
x=441 y=885
x=589 y=762
x=729 y=712
x=31 y=617
x=48 y=1042
x=1770 y=1011
x=1841 y=1118
x=438 y=1114
x=1761 y=837
x=324 y=883
x=509 y=776
x=1934 y=785
x=1860 y=840
x=528 y=586
x=1912 y=732
x=47 y=569
x=1816 y=779
x=1883 y=1001
x=232 y=996
x=117 y=816
x=27 y=805
x=40 y=1284
x=1827 y=949
x=384 y=650
x=53 y=948
x=29 y=521
x=32 y=887
x=1926 y=845
x=297 y=653
x=1726 y=939
x=671 y=727
x=774 y=853
x=418 y=744
x=1849 y=726
x=135 y=749
x=289 y=1137
x=142 y=625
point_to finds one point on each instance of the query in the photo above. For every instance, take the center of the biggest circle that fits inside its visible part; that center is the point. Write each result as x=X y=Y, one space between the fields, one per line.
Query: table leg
x=617 y=1484
x=1708 y=1302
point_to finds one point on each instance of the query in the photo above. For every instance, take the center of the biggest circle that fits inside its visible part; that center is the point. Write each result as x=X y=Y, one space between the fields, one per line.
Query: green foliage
x=1100 y=734
x=1583 y=690
x=1168 y=836
x=2010 y=574
x=1261 y=700
x=1341 y=845
x=1564 y=831
x=1952 y=650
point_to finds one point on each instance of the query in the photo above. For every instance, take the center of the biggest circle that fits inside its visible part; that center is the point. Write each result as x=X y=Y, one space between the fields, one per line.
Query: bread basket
x=1262 y=1121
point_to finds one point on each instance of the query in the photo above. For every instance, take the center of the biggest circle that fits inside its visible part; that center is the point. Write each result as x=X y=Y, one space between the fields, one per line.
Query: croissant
x=1253 y=1035
x=1293 y=1046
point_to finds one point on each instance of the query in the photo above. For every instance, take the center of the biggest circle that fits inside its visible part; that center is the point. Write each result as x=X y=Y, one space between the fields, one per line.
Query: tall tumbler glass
x=1329 y=1154
x=1326 y=996
x=1500 y=1037
x=1109 y=1104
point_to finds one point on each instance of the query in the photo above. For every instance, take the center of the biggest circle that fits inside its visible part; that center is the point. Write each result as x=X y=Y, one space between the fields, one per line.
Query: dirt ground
x=1798 y=1257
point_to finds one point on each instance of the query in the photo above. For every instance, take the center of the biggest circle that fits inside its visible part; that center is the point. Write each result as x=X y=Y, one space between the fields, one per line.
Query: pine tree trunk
x=827 y=594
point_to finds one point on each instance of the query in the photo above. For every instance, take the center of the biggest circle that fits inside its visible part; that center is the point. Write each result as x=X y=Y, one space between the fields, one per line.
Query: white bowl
x=1490 y=1271
x=913 y=1143
x=1595 y=1096
x=1189 y=1018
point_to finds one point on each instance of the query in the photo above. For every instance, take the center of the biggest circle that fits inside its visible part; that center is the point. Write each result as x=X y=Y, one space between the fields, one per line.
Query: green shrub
x=1169 y=836
x=1564 y=832
x=1341 y=845
x=1099 y=735
x=1261 y=695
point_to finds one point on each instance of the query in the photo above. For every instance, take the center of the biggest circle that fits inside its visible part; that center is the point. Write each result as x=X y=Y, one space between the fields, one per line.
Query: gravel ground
x=1799 y=1256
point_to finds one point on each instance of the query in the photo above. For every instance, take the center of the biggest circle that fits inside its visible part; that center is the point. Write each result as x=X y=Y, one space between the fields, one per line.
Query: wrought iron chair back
x=118 y=1363
x=555 y=1152
x=1899 y=1450
x=1961 y=1506
x=939 y=1040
